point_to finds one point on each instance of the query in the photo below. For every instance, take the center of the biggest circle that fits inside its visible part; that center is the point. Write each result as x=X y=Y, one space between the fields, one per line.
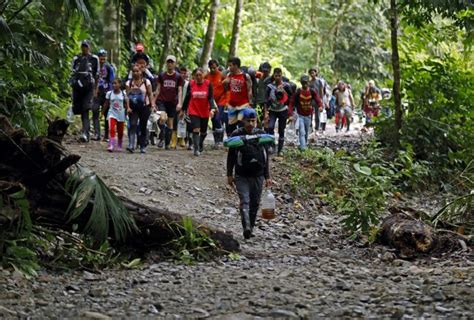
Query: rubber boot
x=281 y=141
x=174 y=139
x=161 y=136
x=168 y=134
x=111 y=145
x=131 y=143
x=182 y=143
x=119 y=145
x=216 y=139
x=202 y=137
x=253 y=218
x=244 y=214
x=190 y=140
x=196 y=143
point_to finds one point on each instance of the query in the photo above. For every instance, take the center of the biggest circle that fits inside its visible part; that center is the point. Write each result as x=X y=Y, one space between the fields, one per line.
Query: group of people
x=175 y=98
x=241 y=102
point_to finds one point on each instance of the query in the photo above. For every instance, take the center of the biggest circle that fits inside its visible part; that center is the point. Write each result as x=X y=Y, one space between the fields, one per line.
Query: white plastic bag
x=181 y=128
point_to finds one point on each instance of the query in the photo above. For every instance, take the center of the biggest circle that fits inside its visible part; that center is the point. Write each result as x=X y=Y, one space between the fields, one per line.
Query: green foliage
x=358 y=186
x=191 y=244
x=439 y=118
x=15 y=230
x=108 y=212
x=460 y=210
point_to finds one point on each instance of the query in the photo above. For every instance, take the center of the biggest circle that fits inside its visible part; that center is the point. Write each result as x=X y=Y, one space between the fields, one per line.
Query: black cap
x=304 y=79
x=265 y=66
x=85 y=43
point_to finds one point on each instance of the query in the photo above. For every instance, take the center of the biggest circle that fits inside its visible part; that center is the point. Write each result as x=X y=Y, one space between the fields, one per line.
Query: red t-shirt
x=169 y=87
x=238 y=90
x=199 y=99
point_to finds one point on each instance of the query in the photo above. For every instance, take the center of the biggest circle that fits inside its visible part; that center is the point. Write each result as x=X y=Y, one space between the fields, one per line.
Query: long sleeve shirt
x=233 y=153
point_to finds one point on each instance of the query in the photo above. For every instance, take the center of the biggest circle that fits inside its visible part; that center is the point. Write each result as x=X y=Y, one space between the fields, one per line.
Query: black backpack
x=83 y=73
x=251 y=157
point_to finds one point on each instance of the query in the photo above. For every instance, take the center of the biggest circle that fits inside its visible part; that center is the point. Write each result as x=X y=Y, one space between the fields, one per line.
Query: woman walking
x=199 y=104
x=140 y=95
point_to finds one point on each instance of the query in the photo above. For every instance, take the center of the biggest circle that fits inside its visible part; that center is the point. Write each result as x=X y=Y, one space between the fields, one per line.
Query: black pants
x=97 y=106
x=139 y=114
x=82 y=104
x=282 y=116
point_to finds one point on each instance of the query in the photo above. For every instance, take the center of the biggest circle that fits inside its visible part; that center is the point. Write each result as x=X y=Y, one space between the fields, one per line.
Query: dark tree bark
x=234 y=43
x=111 y=18
x=210 y=34
x=396 y=70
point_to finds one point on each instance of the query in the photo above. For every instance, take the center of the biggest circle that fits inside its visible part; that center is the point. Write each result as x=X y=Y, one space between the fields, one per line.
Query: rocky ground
x=299 y=265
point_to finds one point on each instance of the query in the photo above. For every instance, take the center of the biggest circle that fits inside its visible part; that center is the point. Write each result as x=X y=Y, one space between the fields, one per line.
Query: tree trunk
x=112 y=31
x=234 y=43
x=210 y=34
x=396 y=71
x=180 y=39
x=168 y=29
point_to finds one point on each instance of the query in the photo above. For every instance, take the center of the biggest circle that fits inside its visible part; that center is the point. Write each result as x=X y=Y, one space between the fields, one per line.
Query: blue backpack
x=136 y=97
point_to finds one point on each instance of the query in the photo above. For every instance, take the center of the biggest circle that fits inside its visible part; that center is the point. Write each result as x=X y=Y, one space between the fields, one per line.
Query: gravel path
x=299 y=265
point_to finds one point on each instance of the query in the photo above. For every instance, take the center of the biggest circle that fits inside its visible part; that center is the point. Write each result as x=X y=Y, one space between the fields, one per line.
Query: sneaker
x=161 y=143
x=129 y=149
x=247 y=233
x=142 y=150
x=197 y=153
x=96 y=137
x=167 y=147
x=83 y=138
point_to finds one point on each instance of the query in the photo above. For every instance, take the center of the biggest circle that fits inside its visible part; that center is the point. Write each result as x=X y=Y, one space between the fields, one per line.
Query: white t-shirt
x=117 y=105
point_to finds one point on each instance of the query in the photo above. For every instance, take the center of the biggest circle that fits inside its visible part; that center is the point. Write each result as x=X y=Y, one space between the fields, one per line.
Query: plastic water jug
x=268 y=205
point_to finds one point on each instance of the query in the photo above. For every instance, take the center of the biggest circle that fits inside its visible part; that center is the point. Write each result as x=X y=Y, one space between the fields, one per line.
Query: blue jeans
x=304 y=127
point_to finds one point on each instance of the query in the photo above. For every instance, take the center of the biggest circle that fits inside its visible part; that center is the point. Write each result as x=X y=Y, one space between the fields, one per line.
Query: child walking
x=117 y=102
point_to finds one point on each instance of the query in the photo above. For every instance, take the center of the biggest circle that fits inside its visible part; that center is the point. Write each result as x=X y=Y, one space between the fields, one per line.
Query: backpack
x=251 y=157
x=136 y=97
x=83 y=73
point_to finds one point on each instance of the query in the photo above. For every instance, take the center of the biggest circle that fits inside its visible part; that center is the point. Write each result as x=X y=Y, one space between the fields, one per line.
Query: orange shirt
x=220 y=96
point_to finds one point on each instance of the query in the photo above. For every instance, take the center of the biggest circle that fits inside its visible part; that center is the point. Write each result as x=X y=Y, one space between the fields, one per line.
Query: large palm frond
x=107 y=210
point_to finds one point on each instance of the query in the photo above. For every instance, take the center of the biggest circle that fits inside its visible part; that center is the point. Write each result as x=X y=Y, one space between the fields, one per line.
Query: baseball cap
x=372 y=82
x=304 y=79
x=171 y=57
x=85 y=43
x=102 y=52
x=249 y=113
x=139 y=47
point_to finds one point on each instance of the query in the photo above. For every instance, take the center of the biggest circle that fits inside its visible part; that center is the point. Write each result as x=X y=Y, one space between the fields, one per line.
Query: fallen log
x=411 y=237
x=154 y=225
x=41 y=166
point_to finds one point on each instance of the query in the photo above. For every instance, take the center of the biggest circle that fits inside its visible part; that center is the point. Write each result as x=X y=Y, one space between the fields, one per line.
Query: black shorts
x=201 y=123
x=168 y=107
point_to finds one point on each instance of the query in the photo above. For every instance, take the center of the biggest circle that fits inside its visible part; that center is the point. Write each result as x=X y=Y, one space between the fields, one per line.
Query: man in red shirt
x=169 y=95
x=302 y=102
x=239 y=85
x=221 y=97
